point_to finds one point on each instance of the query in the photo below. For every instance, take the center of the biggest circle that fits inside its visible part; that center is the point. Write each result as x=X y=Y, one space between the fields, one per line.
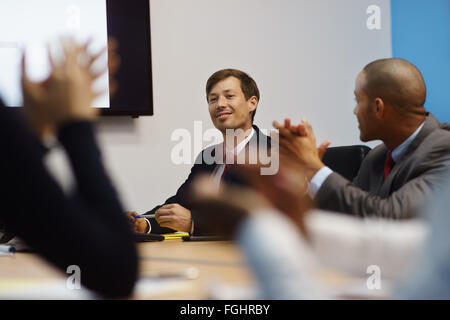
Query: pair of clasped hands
x=67 y=94
x=300 y=159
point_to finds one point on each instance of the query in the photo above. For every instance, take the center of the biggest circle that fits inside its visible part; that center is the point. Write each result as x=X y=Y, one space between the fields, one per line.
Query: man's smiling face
x=228 y=107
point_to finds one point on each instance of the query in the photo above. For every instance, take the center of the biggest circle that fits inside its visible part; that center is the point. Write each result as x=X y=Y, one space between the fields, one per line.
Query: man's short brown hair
x=248 y=85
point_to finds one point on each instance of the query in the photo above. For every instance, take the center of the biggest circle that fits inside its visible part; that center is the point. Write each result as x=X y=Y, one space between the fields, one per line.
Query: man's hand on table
x=174 y=216
x=139 y=224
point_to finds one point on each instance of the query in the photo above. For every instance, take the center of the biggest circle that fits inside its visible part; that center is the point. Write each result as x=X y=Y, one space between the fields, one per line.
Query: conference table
x=170 y=270
x=206 y=266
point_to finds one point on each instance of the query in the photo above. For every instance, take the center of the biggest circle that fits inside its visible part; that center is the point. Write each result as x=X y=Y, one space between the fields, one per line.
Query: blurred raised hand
x=223 y=210
x=68 y=92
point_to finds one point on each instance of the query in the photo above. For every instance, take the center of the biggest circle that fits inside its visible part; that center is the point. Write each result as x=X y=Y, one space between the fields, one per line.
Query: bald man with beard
x=398 y=176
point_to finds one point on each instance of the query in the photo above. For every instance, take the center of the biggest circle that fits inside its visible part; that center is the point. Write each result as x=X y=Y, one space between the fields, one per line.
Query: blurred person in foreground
x=88 y=228
x=305 y=241
x=429 y=277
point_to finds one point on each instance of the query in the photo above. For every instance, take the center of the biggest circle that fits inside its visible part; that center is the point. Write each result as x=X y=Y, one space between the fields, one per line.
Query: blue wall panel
x=421 y=34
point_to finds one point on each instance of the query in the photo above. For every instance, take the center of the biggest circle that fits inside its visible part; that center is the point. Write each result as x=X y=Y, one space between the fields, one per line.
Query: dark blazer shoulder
x=259 y=134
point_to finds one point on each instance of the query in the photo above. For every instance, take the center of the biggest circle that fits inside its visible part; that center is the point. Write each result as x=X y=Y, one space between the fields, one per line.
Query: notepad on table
x=175 y=235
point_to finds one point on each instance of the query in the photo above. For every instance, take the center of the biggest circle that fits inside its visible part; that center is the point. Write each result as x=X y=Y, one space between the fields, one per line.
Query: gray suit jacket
x=419 y=173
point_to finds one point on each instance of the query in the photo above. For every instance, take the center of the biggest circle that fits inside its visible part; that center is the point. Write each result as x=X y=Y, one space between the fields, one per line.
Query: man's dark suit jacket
x=420 y=172
x=183 y=196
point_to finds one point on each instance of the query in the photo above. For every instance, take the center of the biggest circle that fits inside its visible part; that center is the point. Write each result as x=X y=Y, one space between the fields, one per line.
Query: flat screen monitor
x=33 y=24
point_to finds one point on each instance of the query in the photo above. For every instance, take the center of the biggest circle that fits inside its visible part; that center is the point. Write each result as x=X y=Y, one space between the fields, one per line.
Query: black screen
x=129 y=24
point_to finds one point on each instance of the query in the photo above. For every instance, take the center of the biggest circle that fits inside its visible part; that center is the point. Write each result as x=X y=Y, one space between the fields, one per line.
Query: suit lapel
x=376 y=180
x=430 y=124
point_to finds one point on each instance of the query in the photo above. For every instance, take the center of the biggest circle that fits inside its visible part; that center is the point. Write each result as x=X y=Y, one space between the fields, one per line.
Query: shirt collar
x=243 y=143
x=398 y=152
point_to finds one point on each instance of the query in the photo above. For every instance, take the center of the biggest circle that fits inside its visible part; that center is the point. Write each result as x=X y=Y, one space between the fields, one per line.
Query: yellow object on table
x=175 y=235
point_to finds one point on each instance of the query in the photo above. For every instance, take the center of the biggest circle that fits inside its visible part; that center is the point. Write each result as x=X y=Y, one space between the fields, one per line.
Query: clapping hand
x=67 y=94
x=298 y=143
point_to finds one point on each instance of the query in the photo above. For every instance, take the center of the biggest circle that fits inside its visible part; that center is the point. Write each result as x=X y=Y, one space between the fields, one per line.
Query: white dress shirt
x=235 y=151
x=289 y=267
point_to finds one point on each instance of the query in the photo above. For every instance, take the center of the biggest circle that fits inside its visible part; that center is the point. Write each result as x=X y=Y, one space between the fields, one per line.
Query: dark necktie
x=388 y=164
x=225 y=170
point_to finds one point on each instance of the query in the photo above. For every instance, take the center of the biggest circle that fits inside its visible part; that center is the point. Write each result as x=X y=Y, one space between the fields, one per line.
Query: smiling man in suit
x=232 y=97
x=397 y=177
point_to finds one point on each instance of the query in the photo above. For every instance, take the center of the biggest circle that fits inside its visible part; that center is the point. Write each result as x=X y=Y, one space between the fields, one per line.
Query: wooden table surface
x=170 y=270
x=208 y=262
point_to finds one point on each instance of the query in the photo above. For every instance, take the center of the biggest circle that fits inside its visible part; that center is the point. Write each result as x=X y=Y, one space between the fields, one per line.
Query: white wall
x=304 y=55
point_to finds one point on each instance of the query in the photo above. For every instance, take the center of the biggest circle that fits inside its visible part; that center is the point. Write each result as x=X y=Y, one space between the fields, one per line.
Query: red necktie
x=388 y=164
x=225 y=170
